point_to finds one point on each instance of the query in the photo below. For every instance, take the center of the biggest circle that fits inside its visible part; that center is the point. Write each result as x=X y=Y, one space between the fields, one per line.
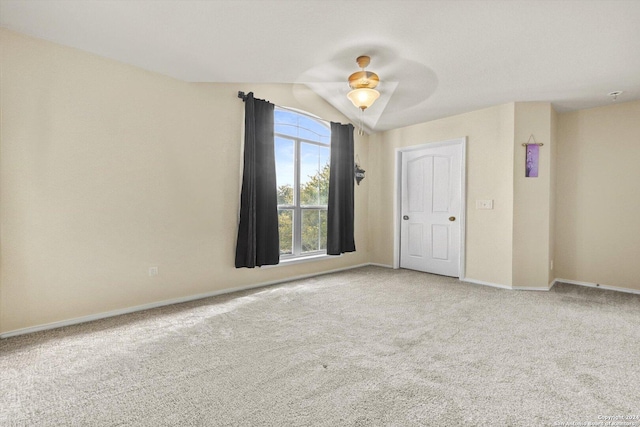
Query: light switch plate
x=484 y=204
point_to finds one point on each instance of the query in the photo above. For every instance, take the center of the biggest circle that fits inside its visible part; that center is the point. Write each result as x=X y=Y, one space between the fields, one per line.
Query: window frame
x=296 y=207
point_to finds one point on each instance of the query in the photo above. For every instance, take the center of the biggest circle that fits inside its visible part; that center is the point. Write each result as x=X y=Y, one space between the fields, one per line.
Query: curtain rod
x=244 y=96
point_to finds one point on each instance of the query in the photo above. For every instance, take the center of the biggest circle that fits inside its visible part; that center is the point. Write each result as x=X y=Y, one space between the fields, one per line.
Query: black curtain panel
x=258 y=240
x=340 y=209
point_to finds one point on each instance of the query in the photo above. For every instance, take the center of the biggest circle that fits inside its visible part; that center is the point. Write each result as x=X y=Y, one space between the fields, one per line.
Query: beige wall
x=532 y=214
x=107 y=169
x=598 y=203
x=490 y=151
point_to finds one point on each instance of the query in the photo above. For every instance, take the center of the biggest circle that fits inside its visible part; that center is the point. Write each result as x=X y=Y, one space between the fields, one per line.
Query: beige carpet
x=367 y=347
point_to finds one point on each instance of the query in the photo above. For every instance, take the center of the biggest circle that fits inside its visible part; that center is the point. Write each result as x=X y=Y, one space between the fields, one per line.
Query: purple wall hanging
x=531 y=162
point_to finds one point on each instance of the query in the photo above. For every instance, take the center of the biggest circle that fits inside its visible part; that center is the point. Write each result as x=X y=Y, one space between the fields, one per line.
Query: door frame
x=397 y=197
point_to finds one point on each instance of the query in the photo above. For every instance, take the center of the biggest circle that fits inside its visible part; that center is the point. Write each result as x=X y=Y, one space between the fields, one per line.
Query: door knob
x=406 y=217
x=452 y=218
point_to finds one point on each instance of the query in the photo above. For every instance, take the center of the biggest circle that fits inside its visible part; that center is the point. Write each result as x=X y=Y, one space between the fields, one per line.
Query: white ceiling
x=434 y=58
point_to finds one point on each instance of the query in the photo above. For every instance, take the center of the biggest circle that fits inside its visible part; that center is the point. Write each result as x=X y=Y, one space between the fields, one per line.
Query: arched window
x=302 y=152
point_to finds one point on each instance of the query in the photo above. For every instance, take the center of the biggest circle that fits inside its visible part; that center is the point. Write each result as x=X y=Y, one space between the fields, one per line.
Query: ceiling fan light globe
x=363 y=98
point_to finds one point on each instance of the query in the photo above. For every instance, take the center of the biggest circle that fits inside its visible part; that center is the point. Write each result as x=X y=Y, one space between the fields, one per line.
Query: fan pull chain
x=361 y=127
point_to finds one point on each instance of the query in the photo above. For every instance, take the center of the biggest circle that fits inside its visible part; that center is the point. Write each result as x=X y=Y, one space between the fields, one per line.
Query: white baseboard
x=528 y=288
x=511 y=288
x=479 y=282
x=112 y=313
x=380 y=265
x=598 y=285
x=534 y=288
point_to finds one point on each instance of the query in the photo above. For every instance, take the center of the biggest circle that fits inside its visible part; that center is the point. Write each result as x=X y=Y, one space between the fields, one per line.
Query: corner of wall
x=378 y=174
x=553 y=149
x=532 y=214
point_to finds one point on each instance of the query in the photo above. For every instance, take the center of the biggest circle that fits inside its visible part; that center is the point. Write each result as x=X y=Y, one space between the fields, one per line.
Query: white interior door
x=431 y=200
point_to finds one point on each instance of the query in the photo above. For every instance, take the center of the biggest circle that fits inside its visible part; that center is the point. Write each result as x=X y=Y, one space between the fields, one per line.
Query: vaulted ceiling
x=434 y=58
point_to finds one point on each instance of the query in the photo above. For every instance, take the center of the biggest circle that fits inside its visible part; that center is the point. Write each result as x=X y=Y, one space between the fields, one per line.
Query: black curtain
x=340 y=208
x=258 y=241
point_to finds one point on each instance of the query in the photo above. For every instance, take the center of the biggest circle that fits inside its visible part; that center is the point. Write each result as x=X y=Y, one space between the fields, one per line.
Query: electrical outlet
x=153 y=271
x=484 y=204
x=551 y=265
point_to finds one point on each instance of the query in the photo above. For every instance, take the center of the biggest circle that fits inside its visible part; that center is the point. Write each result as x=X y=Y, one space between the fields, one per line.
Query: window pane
x=314 y=230
x=313 y=130
x=286 y=122
x=284 y=149
x=285 y=228
x=286 y=129
x=300 y=126
x=314 y=175
x=323 y=230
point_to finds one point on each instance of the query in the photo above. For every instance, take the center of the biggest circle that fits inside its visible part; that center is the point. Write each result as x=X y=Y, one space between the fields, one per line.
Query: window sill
x=303 y=259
